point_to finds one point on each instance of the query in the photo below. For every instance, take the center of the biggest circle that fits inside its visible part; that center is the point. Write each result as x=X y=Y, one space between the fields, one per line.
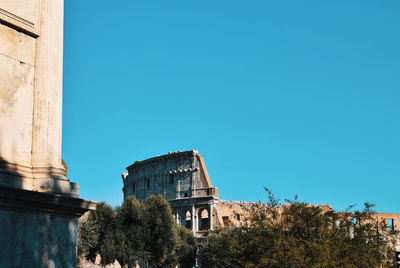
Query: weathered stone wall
x=39 y=206
x=391 y=218
x=182 y=179
x=37 y=240
x=22 y=14
x=38 y=229
x=31 y=43
x=174 y=176
x=17 y=60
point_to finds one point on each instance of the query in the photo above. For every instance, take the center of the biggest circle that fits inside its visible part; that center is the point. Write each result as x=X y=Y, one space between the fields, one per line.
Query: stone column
x=210 y=217
x=199 y=221
x=47 y=104
x=178 y=187
x=213 y=220
x=48 y=172
x=39 y=206
x=177 y=219
x=193 y=215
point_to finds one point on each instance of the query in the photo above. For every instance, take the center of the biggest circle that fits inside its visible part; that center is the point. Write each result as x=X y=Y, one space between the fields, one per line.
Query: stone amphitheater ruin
x=183 y=180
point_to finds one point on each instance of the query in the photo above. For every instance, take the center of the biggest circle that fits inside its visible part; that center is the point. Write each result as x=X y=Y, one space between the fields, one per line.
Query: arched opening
x=204 y=220
x=188 y=220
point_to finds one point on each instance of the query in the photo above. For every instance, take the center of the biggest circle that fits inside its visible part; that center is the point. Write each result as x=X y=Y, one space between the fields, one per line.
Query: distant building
x=182 y=179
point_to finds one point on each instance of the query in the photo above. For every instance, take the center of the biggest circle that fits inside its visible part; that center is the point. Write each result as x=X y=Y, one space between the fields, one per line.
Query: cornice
x=31 y=201
x=170 y=155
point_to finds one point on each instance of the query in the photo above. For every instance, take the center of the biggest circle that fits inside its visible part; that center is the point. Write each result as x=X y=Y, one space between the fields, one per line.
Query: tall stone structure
x=183 y=180
x=39 y=206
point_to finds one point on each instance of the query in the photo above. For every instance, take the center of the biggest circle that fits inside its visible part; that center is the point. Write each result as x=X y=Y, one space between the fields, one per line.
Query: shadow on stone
x=37 y=229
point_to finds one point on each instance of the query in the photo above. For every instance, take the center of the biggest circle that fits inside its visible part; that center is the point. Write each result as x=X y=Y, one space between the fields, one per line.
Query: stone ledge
x=31 y=201
x=161 y=158
x=21 y=15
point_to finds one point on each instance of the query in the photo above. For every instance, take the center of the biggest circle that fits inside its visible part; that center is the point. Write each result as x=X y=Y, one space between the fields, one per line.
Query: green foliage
x=185 y=250
x=94 y=233
x=136 y=232
x=129 y=234
x=300 y=235
x=160 y=234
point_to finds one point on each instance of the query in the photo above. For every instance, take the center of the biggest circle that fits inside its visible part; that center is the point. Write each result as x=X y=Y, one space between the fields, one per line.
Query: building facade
x=183 y=180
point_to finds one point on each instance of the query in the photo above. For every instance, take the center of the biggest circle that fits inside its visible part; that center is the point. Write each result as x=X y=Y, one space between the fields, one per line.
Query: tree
x=136 y=232
x=185 y=249
x=300 y=235
x=95 y=234
x=130 y=236
x=160 y=231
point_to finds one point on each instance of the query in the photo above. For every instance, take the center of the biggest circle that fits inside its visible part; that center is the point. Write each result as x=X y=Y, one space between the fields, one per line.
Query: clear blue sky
x=300 y=96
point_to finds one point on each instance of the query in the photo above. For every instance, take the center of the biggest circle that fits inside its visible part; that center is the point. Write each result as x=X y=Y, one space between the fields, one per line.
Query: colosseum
x=183 y=180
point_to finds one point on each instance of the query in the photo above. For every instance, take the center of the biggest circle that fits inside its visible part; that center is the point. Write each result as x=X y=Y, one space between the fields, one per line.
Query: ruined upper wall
x=175 y=175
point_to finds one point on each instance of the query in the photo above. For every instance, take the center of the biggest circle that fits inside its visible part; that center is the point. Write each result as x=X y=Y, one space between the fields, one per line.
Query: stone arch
x=188 y=220
x=204 y=219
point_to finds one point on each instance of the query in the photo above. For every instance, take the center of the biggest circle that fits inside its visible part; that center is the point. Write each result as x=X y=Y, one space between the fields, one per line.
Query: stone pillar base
x=39 y=229
x=40 y=179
